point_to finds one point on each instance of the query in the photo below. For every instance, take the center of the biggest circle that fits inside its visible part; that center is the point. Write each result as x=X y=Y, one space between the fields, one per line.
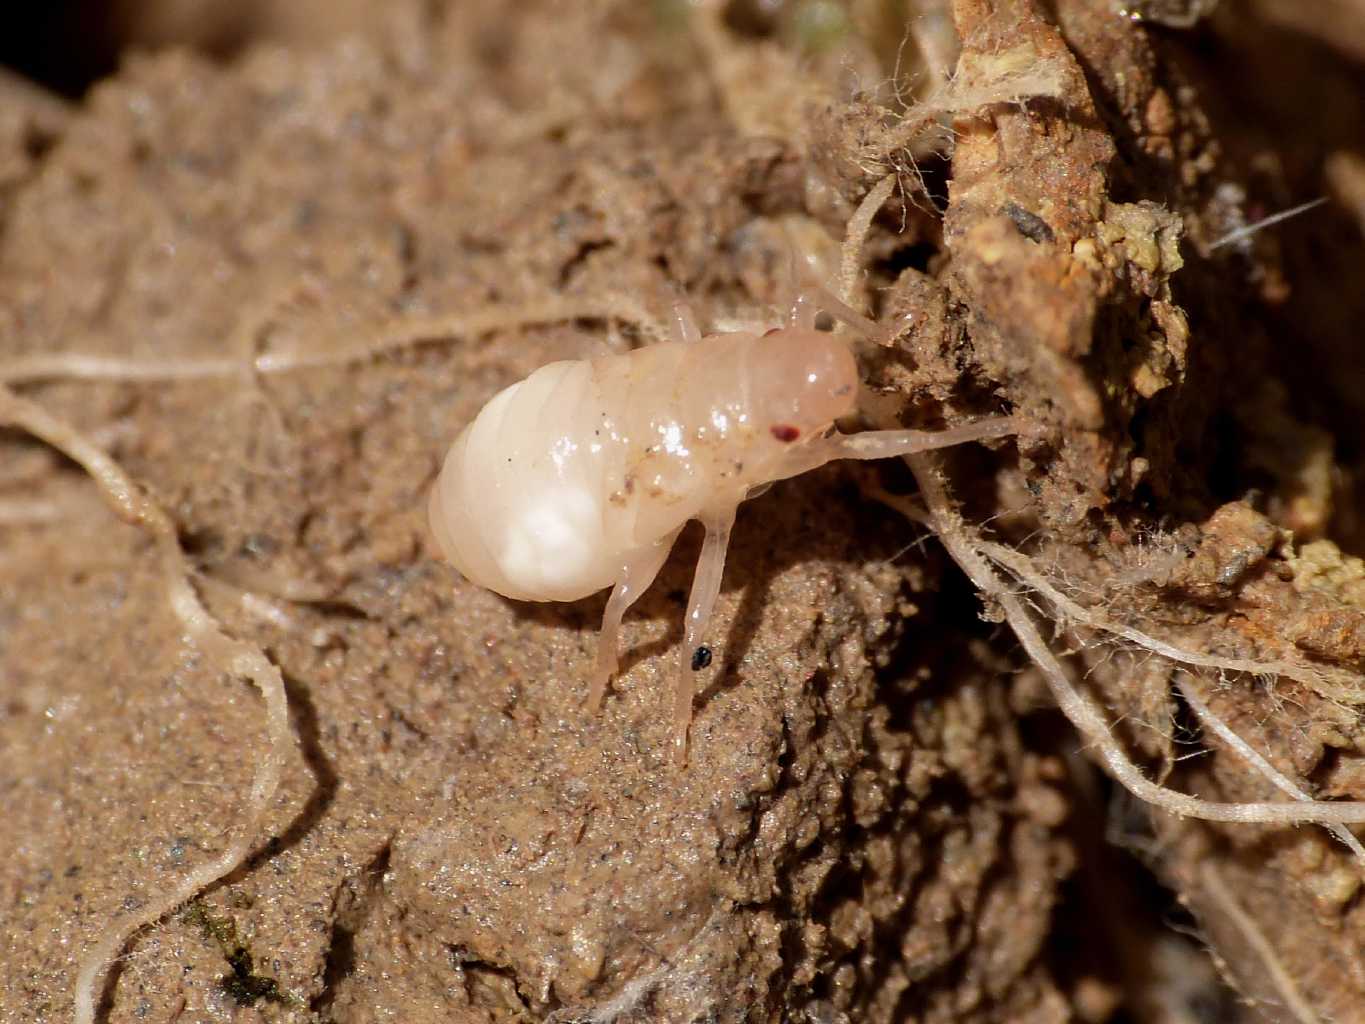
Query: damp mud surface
x=275 y=262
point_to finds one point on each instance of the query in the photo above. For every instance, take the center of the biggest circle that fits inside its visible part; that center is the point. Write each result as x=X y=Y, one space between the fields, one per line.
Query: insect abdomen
x=517 y=507
x=563 y=476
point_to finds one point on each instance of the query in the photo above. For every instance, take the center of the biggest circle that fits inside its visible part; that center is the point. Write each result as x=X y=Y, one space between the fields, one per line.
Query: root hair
x=1218 y=892
x=236 y=657
x=404 y=332
x=1078 y=706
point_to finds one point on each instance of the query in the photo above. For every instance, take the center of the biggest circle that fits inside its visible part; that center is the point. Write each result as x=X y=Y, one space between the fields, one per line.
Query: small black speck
x=701 y=658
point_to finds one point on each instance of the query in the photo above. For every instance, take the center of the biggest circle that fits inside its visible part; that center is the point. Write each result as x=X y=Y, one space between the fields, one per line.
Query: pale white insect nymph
x=581 y=476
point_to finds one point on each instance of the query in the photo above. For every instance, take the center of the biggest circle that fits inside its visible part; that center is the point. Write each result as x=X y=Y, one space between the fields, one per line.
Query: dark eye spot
x=785 y=432
x=701 y=658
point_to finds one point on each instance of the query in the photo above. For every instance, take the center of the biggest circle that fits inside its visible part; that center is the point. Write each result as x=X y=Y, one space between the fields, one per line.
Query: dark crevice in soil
x=303 y=715
x=65 y=46
x=477 y=969
x=354 y=902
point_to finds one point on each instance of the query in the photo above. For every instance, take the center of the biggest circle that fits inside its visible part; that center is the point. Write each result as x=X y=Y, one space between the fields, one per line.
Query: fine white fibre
x=1294 y=1001
x=1257 y=760
x=1079 y=706
x=1247 y=230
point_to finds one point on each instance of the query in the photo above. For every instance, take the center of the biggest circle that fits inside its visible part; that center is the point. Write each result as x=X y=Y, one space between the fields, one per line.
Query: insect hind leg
x=705 y=589
x=637 y=574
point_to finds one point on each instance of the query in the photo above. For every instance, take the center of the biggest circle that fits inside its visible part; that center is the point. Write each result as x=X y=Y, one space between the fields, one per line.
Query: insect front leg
x=888 y=444
x=813 y=298
x=636 y=575
x=705 y=588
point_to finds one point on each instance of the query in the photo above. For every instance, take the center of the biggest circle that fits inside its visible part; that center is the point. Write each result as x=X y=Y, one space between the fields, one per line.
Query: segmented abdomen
x=562 y=476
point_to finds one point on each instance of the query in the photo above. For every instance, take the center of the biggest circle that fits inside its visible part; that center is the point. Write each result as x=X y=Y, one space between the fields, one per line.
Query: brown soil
x=882 y=818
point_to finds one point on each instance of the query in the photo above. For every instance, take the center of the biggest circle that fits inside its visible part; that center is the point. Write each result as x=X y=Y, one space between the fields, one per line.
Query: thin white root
x=1253 y=757
x=236 y=657
x=1255 y=938
x=1333 y=684
x=1079 y=707
x=855 y=233
x=404 y=333
x=76 y=366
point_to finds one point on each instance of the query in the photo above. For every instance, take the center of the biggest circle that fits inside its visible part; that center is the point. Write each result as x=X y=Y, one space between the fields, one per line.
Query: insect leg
x=816 y=297
x=885 y=444
x=803 y=311
x=683 y=326
x=636 y=576
x=705 y=587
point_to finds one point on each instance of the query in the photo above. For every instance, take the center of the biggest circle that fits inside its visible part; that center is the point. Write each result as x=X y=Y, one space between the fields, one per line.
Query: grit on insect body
x=581 y=476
